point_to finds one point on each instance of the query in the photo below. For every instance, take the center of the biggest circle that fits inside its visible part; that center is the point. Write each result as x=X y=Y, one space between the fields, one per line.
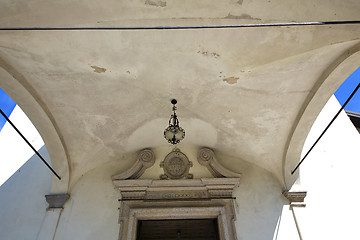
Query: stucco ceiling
x=98 y=95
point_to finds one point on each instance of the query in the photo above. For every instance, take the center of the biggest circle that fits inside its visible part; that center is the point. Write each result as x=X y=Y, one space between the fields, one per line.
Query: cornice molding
x=204 y=188
x=295 y=196
x=56 y=201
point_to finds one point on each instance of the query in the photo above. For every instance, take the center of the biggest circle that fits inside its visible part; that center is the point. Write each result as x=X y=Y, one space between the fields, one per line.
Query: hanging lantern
x=174 y=133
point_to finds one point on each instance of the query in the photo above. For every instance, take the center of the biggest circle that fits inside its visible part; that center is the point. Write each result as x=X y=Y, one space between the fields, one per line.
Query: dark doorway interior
x=188 y=229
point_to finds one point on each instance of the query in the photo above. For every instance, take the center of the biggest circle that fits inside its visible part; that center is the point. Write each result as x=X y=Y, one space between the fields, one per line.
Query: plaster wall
x=36 y=13
x=329 y=176
x=92 y=211
x=22 y=201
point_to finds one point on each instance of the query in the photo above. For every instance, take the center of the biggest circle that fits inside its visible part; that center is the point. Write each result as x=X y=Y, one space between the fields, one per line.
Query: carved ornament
x=176 y=166
x=206 y=157
x=144 y=160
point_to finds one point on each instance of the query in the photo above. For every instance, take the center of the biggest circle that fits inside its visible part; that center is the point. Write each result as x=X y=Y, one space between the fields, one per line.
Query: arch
x=18 y=88
x=323 y=89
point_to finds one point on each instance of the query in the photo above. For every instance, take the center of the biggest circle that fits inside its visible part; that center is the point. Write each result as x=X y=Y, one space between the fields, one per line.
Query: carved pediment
x=176 y=165
x=144 y=160
x=206 y=157
x=178 y=197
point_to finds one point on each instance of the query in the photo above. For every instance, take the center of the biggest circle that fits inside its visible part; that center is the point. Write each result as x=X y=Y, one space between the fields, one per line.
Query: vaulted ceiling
x=253 y=93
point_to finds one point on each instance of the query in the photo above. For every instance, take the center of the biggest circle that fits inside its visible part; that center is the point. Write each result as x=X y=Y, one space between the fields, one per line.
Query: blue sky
x=7 y=105
x=345 y=90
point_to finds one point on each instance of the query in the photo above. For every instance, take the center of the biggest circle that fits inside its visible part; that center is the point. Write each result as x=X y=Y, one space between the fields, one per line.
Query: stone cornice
x=295 y=196
x=204 y=188
x=56 y=201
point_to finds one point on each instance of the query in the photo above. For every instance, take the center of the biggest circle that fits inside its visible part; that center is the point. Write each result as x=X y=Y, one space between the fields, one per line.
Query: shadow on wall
x=259 y=204
x=22 y=199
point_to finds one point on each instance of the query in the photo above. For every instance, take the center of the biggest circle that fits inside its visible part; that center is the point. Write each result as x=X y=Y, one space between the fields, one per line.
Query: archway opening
x=343 y=92
x=14 y=151
x=174 y=229
x=329 y=174
x=352 y=110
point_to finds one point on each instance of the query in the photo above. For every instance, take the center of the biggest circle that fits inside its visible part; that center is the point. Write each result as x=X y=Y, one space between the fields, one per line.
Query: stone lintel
x=295 y=196
x=142 y=189
x=56 y=201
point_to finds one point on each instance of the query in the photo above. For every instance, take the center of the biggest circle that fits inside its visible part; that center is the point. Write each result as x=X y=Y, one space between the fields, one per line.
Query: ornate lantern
x=174 y=133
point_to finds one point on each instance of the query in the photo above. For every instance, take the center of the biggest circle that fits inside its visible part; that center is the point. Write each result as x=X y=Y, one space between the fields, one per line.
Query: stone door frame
x=133 y=211
x=205 y=198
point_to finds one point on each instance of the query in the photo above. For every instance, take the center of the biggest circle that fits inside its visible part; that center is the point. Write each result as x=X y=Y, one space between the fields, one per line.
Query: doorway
x=175 y=229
